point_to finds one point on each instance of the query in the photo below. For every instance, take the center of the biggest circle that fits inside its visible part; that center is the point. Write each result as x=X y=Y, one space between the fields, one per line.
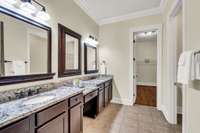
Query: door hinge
x=134 y=59
x=134 y=41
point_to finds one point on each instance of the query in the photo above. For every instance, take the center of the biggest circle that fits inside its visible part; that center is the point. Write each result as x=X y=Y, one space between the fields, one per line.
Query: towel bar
x=177 y=84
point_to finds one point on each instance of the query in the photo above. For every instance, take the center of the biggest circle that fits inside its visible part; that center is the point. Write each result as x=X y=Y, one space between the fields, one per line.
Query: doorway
x=149 y=29
x=175 y=48
x=145 y=67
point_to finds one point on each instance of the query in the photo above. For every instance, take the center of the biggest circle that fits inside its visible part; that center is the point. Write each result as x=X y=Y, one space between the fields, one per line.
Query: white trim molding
x=157 y=27
x=147 y=83
x=149 y=12
x=122 y=101
x=179 y=110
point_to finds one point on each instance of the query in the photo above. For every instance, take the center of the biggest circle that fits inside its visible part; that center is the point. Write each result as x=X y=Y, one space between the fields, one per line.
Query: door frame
x=171 y=59
x=157 y=27
x=173 y=94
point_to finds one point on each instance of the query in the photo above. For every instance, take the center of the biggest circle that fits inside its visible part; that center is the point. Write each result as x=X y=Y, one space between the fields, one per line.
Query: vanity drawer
x=76 y=100
x=108 y=83
x=101 y=86
x=90 y=96
x=50 y=113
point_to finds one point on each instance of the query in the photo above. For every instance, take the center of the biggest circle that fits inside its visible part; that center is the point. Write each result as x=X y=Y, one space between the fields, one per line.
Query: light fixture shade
x=12 y=2
x=92 y=42
x=43 y=15
x=28 y=7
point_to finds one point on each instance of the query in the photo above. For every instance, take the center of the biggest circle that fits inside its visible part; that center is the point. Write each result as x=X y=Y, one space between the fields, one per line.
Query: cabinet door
x=110 y=93
x=76 y=119
x=23 y=126
x=57 y=125
x=106 y=95
x=101 y=100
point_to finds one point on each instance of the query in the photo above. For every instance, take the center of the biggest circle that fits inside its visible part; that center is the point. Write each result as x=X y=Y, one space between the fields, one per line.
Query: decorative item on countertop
x=103 y=67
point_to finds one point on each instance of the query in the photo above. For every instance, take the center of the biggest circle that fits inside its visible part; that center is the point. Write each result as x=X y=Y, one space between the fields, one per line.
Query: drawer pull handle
x=76 y=99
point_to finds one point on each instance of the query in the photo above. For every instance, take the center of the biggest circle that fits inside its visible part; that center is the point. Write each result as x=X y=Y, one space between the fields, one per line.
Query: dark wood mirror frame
x=85 y=59
x=62 y=72
x=32 y=77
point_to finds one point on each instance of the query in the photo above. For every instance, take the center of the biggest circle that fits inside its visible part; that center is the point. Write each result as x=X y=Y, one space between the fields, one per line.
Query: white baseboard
x=122 y=101
x=179 y=110
x=146 y=83
x=165 y=112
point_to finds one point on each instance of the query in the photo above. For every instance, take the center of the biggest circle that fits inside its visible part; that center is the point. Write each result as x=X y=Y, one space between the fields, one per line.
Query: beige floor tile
x=129 y=119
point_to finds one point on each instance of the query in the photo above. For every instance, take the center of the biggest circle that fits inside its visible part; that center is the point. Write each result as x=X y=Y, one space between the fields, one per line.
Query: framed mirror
x=25 y=49
x=90 y=57
x=69 y=52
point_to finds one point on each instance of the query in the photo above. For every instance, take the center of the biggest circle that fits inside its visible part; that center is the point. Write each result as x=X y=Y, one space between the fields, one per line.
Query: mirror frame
x=85 y=59
x=62 y=71
x=30 y=77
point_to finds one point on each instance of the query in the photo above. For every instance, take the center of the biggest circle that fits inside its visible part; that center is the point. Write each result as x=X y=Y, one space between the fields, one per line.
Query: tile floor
x=126 y=119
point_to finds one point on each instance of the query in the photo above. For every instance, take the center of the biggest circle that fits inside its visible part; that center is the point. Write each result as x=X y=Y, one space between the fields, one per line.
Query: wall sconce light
x=92 y=41
x=27 y=6
x=43 y=15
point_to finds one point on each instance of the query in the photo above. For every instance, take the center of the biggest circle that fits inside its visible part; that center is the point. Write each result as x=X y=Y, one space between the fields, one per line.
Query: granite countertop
x=89 y=89
x=97 y=81
x=16 y=110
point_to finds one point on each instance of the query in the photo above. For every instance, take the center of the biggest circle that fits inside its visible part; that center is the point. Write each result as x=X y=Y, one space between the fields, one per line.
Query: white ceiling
x=104 y=11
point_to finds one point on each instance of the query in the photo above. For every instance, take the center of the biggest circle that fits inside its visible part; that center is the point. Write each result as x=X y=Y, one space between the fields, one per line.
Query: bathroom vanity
x=56 y=111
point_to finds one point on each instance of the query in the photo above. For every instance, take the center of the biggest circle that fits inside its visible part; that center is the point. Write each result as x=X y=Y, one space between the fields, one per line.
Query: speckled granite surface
x=17 y=109
x=97 y=81
x=11 y=95
x=12 y=103
x=89 y=89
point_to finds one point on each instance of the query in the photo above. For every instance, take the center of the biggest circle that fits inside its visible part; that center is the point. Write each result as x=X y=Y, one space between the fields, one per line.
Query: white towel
x=19 y=67
x=186 y=67
x=197 y=66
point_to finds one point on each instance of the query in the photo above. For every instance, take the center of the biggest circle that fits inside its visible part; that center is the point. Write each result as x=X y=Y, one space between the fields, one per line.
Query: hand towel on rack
x=197 y=66
x=19 y=67
x=186 y=67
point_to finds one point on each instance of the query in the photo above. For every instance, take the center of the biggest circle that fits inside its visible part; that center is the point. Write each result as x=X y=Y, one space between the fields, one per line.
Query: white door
x=134 y=71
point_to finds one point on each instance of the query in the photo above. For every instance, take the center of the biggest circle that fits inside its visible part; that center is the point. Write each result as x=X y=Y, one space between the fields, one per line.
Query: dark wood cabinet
x=24 y=126
x=76 y=118
x=90 y=96
x=63 y=117
x=101 y=101
x=106 y=95
x=57 y=125
x=110 y=92
x=51 y=112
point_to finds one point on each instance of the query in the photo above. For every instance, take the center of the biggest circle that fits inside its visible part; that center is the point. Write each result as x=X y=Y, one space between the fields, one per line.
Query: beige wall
x=115 y=49
x=146 y=72
x=70 y=15
x=192 y=42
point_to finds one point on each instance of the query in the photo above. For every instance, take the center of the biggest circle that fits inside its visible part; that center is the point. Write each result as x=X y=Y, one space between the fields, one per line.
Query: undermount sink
x=38 y=100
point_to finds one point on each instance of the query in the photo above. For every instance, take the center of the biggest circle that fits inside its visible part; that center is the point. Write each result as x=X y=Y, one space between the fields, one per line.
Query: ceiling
x=107 y=11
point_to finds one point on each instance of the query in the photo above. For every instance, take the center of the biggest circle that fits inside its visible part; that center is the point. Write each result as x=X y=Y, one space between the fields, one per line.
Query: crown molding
x=139 y=14
x=163 y=4
x=149 y=12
